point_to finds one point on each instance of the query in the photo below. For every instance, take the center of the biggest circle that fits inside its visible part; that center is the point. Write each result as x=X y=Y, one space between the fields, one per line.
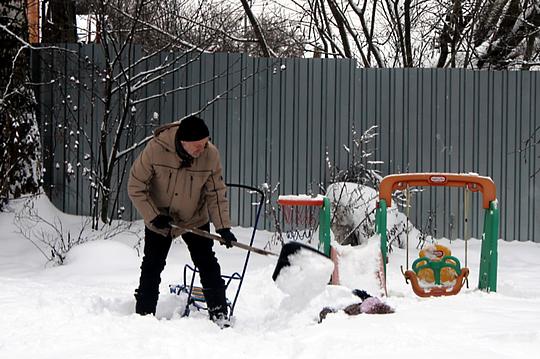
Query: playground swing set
x=436 y=272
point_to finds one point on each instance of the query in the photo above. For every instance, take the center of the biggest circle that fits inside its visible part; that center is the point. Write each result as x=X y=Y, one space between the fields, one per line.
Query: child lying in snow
x=369 y=305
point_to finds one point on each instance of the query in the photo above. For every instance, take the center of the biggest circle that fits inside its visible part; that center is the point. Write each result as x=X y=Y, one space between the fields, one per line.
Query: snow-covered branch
x=30 y=46
x=180 y=88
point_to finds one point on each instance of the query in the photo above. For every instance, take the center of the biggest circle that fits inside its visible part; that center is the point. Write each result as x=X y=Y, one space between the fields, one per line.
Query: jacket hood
x=165 y=135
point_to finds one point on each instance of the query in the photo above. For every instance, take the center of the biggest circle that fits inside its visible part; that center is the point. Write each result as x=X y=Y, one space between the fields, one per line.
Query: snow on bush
x=353 y=215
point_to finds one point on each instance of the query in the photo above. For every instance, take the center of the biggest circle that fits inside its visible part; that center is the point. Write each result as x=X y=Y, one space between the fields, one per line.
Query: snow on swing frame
x=488 y=256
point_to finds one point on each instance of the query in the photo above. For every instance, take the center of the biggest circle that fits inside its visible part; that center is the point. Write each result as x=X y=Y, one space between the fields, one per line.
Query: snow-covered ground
x=85 y=308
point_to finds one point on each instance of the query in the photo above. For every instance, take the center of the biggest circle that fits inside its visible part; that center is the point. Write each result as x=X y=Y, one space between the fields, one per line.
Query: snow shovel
x=214 y=237
x=287 y=250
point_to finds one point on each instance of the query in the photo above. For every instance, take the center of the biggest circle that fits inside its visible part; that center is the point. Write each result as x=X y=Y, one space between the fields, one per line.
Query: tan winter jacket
x=191 y=196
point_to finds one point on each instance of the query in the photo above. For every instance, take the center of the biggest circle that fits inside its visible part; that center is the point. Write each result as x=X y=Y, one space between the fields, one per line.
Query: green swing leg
x=380 y=225
x=489 y=255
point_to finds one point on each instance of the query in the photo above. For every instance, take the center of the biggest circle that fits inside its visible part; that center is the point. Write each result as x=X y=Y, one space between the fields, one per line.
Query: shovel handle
x=205 y=234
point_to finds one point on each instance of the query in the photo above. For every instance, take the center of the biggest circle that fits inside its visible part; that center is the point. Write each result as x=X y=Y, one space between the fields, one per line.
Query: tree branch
x=340 y=23
x=267 y=52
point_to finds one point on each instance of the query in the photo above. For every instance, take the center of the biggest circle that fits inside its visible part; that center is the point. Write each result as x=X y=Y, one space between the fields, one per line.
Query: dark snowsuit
x=156 y=248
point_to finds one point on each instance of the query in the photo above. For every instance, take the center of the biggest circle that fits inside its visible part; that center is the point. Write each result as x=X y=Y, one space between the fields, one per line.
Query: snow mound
x=101 y=257
x=359 y=265
x=305 y=277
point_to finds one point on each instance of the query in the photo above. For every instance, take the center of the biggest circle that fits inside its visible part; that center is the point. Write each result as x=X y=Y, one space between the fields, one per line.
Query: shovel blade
x=291 y=249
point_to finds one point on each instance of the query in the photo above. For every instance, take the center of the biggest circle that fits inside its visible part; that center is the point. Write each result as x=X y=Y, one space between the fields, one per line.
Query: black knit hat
x=192 y=129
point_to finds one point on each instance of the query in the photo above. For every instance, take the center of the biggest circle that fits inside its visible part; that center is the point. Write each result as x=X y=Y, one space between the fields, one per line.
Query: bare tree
x=496 y=34
x=20 y=170
x=513 y=36
x=213 y=25
x=424 y=33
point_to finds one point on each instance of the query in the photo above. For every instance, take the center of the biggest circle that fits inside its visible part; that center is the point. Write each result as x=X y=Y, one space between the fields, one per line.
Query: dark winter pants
x=156 y=248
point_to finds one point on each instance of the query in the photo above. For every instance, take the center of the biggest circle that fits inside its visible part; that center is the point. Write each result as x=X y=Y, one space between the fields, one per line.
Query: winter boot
x=145 y=303
x=218 y=310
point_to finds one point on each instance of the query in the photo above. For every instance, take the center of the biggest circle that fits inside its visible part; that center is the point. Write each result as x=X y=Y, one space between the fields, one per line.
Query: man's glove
x=162 y=221
x=227 y=236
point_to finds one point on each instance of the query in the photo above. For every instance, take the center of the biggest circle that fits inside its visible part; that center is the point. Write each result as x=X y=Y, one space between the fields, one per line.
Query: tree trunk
x=451 y=34
x=529 y=48
x=407 y=34
x=257 y=30
x=340 y=23
x=60 y=24
x=489 y=16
